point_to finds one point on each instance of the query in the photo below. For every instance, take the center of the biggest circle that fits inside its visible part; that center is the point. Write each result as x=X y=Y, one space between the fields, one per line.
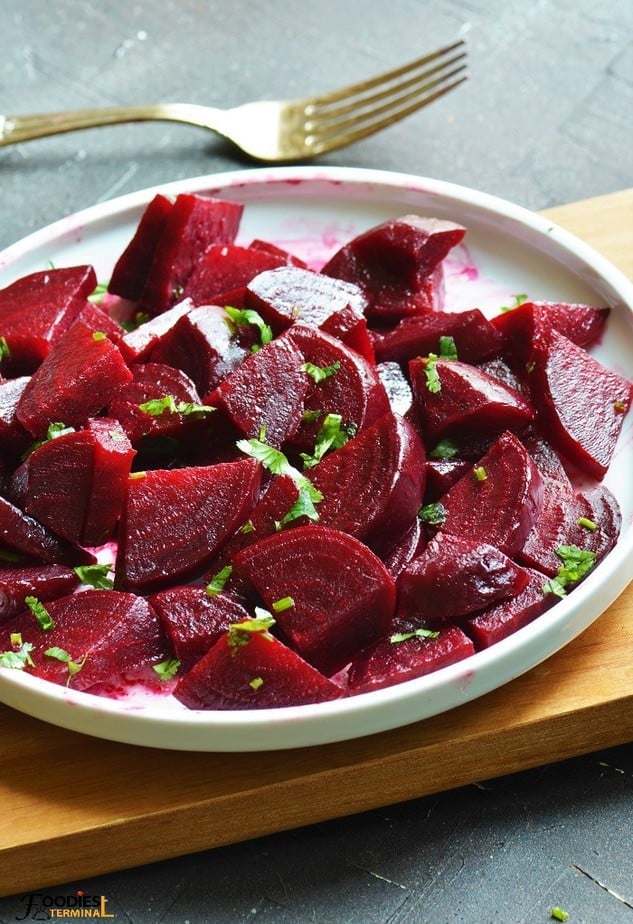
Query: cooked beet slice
x=45 y=582
x=29 y=538
x=193 y=224
x=373 y=486
x=547 y=459
x=137 y=344
x=393 y=262
x=501 y=620
x=350 y=325
x=225 y=267
x=464 y=399
x=456 y=576
x=572 y=391
x=112 y=457
x=288 y=294
x=498 y=500
x=194 y=620
x=76 y=380
x=354 y=390
x=36 y=310
x=268 y=390
x=340 y=595
x=13 y=437
x=131 y=269
x=252 y=670
x=110 y=636
x=389 y=662
x=176 y=520
x=204 y=345
x=476 y=339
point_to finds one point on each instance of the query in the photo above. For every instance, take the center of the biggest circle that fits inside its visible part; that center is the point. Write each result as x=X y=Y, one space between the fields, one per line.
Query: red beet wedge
x=329 y=593
x=30 y=540
x=131 y=269
x=501 y=620
x=45 y=582
x=225 y=267
x=476 y=339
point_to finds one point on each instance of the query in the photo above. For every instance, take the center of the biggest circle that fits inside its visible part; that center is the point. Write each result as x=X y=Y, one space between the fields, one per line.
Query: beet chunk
x=501 y=620
x=454 y=576
x=390 y=662
x=252 y=670
x=45 y=582
x=13 y=437
x=138 y=344
x=340 y=596
x=77 y=379
x=131 y=269
x=225 y=267
x=29 y=538
x=112 y=637
x=476 y=339
x=175 y=521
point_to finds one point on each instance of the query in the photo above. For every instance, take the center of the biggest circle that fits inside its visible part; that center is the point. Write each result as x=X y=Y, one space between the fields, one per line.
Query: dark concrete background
x=545 y=119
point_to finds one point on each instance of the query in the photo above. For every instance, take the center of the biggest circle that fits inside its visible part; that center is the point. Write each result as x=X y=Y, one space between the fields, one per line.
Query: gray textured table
x=545 y=119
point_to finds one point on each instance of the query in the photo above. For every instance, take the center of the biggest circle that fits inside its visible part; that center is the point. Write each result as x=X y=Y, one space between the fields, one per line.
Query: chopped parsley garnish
x=166 y=670
x=243 y=317
x=432 y=514
x=97 y=576
x=620 y=406
x=18 y=659
x=333 y=434
x=5 y=349
x=518 y=300
x=321 y=373
x=168 y=404
x=576 y=564
x=558 y=914
x=276 y=462
x=218 y=581
x=445 y=449
x=588 y=524
x=447 y=350
x=40 y=612
x=480 y=473
x=141 y=317
x=101 y=289
x=285 y=603
x=415 y=633
x=98 y=336
x=240 y=633
x=256 y=683
x=53 y=432
x=60 y=655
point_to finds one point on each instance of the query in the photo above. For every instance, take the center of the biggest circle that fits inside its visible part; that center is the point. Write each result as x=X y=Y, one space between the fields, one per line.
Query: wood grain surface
x=74 y=806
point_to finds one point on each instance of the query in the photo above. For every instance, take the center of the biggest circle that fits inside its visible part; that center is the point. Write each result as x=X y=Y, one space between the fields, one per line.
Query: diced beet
x=253 y=670
x=76 y=380
x=29 y=538
x=225 y=267
x=498 y=501
x=193 y=620
x=388 y=663
x=476 y=339
x=13 y=437
x=112 y=457
x=397 y=387
x=131 y=269
x=268 y=390
x=501 y=620
x=288 y=294
x=342 y=596
x=350 y=325
x=175 y=521
x=112 y=635
x=204 y=345
x=36 y=310
x=139 y=343
x=354 y=390
x=465 y=400
x=373 y=486
x=394 y=262
x=193 y=224
x=45 y=582
x=442 y=474
x=267 y=247
x=456 y=576
x=571 y=391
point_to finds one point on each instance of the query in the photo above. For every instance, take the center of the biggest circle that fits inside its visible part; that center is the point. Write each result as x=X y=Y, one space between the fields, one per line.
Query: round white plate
x=312 y=211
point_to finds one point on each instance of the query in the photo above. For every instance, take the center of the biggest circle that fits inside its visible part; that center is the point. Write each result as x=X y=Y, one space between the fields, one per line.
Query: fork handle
x=17 y=128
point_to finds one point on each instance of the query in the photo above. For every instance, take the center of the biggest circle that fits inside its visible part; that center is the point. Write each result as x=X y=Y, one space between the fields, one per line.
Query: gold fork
x=275 y=130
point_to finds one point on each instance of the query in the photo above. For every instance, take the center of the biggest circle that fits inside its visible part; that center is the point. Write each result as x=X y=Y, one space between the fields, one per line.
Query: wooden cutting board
x=74 y=806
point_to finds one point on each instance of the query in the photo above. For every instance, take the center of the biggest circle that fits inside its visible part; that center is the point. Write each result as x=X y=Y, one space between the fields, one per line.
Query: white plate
x=312 y=211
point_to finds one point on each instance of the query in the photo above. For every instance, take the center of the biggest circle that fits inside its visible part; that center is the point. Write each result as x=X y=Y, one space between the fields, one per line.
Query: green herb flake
x=40 y=612
x=18 y=659
x=5 y=349
x=168 y=404
x=448 y=350
x=321 y=373
x=576 y=564
x=53 y=432
x=60 y=655
x=240 y=633
x=100 y=290
x=16 y=639
x=167 y=670
x=248 y=527
x=445 y=449
x=98 y=336
x=432 y=514
x=558 y=914
x=333 y=434
x=97 y=576
x=433 y=383
x=277 y=464
x=285 y=603
x=218 y=582
x=588 y=524
x=256 y=683
x=480 y=473
x=421 y=632
x=244 y=317
x=519 y=299
x=620 y=407
x=141 y=317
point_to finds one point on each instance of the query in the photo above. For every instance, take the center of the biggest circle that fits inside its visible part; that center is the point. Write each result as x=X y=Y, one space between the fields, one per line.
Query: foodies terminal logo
x=78 y=906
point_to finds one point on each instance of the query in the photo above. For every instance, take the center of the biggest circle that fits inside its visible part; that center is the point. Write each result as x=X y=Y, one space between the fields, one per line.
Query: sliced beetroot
x=194 y=620
x=502 y=619
x=476 y=339
x=393 y=262
x=204 y=345
x=45 y=582
x=571 y=391
x=327 y=621
x=463 y=399
x=498 y=500
x=388 y=663
x=175 y=521
x=28 y=538
x=288 y=294
x=109 y=636
x=14 y=439
x=138 y=343
x=352 y=387
x=373 y=486
x=249 y=669
x=36 y=310
x=350 y=325
x=454 y=577
x=225 y=267
x=77 y=379
x=131 y=269
x=193 y=224
x=547 y=459
x=112 y=458
x=268 y=390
